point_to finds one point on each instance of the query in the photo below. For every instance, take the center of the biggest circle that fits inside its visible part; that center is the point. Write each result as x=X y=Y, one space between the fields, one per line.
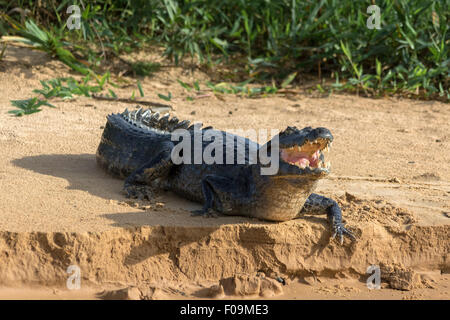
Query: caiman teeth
x=308 y=155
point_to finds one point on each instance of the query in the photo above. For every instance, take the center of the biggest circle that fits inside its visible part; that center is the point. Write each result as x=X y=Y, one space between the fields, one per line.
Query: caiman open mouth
x=309 y=155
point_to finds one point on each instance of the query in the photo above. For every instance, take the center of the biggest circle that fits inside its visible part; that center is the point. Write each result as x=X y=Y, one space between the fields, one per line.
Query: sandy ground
x=390 y=174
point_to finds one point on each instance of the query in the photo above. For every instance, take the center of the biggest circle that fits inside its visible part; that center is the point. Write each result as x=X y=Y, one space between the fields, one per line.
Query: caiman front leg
x=212 y=184
x=317 y=204
x=222 y=193
x=138 y=183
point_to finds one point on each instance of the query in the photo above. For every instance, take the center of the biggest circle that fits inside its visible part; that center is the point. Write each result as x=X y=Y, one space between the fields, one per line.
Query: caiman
x=141 y=147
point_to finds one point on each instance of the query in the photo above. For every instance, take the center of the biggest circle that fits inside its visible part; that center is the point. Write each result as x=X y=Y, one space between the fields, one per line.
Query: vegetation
x=56 y=88
x=259 y=40
x=28 y=106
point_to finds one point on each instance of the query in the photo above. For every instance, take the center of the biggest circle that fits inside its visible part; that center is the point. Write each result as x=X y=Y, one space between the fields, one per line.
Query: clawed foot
x=210 y=213
x=340 y=230
x=137 y=192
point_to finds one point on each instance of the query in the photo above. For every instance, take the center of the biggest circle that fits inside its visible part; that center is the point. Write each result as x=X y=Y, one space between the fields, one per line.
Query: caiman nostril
x=324 y=133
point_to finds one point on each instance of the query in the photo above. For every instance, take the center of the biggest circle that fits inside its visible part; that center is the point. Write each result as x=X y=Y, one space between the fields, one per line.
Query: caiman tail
x=132 y=137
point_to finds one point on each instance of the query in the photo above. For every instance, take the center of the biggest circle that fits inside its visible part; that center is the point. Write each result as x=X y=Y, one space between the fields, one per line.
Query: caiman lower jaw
x=310 y=155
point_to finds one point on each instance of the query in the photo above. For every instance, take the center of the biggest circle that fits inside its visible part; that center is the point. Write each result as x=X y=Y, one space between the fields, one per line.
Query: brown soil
x=390 y=174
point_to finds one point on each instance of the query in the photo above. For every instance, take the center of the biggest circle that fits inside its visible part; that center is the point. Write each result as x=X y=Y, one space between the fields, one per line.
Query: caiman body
x=141 y=147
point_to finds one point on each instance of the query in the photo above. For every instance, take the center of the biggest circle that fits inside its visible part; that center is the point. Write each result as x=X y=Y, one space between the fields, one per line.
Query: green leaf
x=184 y=85
x=103 y=79
x=378 y=67
x=167 y=98
x=112 y=93
x=320 y=88
x=18 y=113
x=141 y=92
x=196 y=85
x=288 y=80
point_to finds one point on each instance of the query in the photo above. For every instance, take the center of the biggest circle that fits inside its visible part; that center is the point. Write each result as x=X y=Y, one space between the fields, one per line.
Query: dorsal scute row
x=146 y=119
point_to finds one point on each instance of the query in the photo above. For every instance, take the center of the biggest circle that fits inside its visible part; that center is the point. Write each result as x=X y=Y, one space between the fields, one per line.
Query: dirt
x=390 y=174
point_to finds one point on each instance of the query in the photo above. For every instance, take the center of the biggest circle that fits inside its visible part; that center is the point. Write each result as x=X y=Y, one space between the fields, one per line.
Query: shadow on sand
x=80 y=170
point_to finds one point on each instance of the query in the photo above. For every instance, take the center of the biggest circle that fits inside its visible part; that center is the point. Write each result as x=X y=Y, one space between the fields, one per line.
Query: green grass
x=145 y=68
x=46 y=41
x=28 y=106
x=263 y=40
x=67 y=88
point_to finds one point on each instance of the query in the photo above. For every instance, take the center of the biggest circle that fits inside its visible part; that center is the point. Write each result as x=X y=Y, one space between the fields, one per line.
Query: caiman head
x=301 y=165
x=302 y=151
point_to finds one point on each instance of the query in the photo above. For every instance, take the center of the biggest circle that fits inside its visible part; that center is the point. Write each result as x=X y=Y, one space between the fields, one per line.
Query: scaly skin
x=137 y=146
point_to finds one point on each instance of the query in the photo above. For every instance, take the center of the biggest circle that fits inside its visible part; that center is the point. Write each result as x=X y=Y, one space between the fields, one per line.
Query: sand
x=390 y=174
